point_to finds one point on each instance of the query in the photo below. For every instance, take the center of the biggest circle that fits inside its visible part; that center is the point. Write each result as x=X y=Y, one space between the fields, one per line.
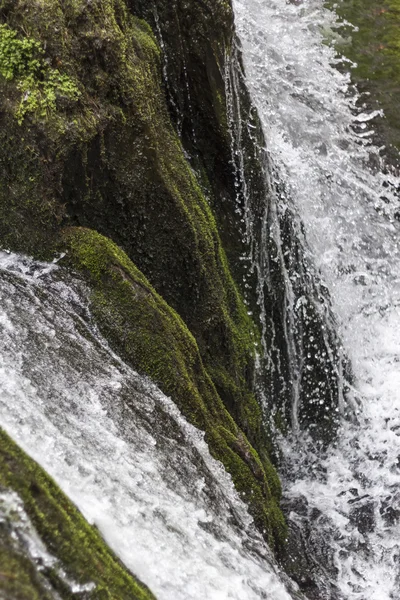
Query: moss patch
x=40 y=85
x=67 y=536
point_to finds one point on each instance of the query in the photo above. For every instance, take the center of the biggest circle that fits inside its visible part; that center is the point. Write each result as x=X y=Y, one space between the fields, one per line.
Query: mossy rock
x=197 y=42
x=77 y=546
x=196 y=39
x=152 y=337
x=109 y=159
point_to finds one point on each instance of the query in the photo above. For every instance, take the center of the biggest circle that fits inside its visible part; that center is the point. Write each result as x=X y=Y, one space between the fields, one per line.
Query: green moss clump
x=67 y=536
x=155 y=341
x=40 y=85
x=18 y=57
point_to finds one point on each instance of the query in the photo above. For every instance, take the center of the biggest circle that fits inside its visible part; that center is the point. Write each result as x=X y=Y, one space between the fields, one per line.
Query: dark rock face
x=196 y=41
x=362 y=514
x=307 y=559
x=390 y=509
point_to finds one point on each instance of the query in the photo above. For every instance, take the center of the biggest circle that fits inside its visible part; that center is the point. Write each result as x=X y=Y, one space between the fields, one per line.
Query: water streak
x=302 y=355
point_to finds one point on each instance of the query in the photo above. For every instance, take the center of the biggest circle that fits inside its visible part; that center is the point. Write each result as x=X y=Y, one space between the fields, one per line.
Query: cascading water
x=345 y=501
x=119 y=448
x=303 y=368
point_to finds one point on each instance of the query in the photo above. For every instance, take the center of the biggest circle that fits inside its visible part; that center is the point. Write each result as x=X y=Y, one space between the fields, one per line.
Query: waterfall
x=321 y=225
x=303 y=366
x=343 y=504
x=119 y=448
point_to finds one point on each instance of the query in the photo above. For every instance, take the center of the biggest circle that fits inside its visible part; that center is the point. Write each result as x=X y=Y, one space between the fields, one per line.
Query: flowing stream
x=346 y=500
x=119 y=448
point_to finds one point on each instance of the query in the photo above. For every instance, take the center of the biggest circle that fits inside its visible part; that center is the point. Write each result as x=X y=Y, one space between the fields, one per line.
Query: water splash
x=318 y=134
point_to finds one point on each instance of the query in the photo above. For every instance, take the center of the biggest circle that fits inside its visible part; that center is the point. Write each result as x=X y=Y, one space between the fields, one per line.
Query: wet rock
x=297 y=505
x=308 y=561
x=362 y=514
x=390 y=509
x=357 y=498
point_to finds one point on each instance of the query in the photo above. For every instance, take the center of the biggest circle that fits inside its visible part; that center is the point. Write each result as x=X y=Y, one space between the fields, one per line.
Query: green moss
x=39 y=96
x=153 y=338
x=22 y=60
x=67 y=536
x=18 y=577
x=19 y=57
x=374 y=47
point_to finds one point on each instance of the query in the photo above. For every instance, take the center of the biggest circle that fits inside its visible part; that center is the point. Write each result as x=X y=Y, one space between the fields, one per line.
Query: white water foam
x=120 y=449
x=318 y=139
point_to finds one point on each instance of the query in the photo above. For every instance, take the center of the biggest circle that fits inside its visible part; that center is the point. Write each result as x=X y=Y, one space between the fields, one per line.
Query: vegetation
x=40 y=85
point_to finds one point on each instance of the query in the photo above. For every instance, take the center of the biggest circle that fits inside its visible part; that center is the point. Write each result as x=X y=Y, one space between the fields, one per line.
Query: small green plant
x=22 y=60
x=18 y=57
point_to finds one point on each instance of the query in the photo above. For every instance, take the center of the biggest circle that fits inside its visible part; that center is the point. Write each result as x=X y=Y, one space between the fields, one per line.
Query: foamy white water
x=319 y=142
x=119 y=448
